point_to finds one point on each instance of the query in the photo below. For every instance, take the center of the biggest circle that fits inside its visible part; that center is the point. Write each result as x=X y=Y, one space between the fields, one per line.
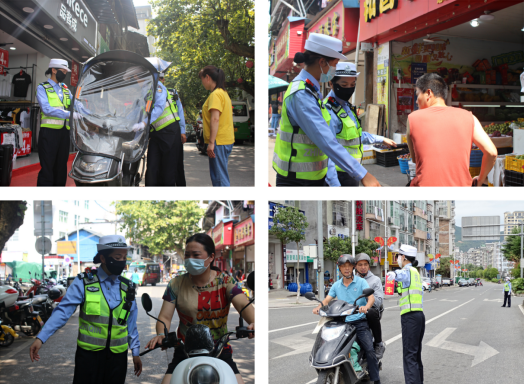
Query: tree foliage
x=196 y=33
x=160 y=225
x=335 y=246
x=511 y=250
x=444 y=268
x=11 y=218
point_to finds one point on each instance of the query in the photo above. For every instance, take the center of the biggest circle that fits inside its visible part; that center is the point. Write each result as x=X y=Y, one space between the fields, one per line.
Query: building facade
x=511 y=221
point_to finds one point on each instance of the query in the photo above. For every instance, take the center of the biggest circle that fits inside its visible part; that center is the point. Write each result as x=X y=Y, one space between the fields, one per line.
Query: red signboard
x=75 y=68
x=390 y=286
x=223 y=235
x=4 y=60
x=359 y=212
x=290 y=40
x=405 y=98
x=244 y=233
x=339 y=22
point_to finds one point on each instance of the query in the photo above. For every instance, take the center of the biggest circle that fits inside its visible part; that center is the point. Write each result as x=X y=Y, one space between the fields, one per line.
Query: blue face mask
x=195 y=267
x=325 y=77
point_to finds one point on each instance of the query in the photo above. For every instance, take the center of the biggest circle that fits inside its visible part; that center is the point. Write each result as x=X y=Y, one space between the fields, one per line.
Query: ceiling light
x=28 y=10
x=48 y=27
x=85 y=57
x=64 y=38
x=487 y=16
x=522 y=29
x=74 y=49
x=12 y=48
x=474 y=23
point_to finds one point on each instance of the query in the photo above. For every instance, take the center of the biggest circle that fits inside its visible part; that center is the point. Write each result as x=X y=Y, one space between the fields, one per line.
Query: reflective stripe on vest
x=98 y=323
x=506 y=287
x=55 y=102
x=169 y=116
x=411 y=299
x=294 y=150
x=350 y=134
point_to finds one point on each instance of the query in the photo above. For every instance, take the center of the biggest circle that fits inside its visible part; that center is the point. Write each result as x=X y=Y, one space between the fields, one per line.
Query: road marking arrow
x=480 y=353
x=495 y=300
x=448 y=300
x=297 y=341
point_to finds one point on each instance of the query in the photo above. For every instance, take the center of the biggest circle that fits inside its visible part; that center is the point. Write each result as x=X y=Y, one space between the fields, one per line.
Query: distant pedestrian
x=507 y=292
x=218 y=124
x=134 y=277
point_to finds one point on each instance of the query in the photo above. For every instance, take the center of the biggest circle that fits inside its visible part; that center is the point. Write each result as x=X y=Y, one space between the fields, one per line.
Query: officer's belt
x=299 y=167
x=165 y=120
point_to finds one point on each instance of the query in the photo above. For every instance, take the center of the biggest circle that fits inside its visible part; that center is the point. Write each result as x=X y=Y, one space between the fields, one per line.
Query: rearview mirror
x=368 y=292
x=146 y=302
x=310 y=296
x=251 y=281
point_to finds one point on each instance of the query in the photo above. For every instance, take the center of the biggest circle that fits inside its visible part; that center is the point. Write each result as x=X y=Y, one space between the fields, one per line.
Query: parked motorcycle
x=7 y=335
x=331 y=354
x=200 y=144
x=202 y=364
x=116 y=91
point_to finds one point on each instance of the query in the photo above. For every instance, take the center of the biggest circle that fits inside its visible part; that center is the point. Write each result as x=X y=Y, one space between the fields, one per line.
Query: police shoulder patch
x=159 y=89
x=342 y=115
x=92 y=289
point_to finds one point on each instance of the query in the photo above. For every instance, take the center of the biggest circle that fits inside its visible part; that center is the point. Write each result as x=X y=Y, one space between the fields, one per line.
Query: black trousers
x=163 y=157
x=507 y=297
x=53 y=151
x=100 y=367
x=413 y=327
x=180 y=173
x=374 y=323
x=346 y=180
x=290 y=182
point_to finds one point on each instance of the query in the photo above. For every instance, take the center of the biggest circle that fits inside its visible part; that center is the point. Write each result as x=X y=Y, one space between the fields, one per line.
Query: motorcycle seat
x=39 y=299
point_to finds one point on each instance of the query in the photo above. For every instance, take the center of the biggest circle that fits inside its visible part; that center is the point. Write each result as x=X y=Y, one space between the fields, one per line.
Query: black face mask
x=343 y=93
x=60 y=76
x=114 y=266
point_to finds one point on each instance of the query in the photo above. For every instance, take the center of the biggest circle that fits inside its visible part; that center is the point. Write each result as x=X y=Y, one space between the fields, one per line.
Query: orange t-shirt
x=442 y=138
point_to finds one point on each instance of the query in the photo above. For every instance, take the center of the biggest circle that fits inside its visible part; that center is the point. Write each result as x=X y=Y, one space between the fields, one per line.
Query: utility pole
x=43 y=238
x=386 y=262
x=320 y=234
x=353 y=234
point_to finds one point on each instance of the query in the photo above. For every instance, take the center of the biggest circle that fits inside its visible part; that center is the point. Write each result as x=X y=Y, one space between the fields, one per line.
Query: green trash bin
x=457 y=278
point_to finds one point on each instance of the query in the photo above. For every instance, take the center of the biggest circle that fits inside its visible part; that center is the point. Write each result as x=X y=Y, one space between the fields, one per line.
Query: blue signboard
x=272 y=210
x=417 y=70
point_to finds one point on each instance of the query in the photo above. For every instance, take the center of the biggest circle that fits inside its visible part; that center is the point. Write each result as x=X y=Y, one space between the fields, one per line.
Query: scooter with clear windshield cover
x=202 y=364
x=112 y=108
x=331 y=354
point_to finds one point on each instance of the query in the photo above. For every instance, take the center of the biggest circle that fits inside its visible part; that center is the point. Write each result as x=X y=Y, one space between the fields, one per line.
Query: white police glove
x=138 y=127
x=391 y=275
x=77 y=115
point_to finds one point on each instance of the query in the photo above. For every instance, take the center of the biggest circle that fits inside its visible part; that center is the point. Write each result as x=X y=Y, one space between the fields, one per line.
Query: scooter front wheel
x=328 y=377
x=6 y=340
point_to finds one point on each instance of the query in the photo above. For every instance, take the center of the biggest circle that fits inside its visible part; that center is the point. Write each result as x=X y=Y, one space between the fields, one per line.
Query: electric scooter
x=331 y=352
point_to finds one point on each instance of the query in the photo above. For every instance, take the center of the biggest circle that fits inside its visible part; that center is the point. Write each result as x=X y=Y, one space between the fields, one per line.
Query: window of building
x=290 y=203
x=86 y=204
x=62 y=217
x=61 y=234
x=86 y=220
x=340 y=213
x=76 y=218
x=372 y=204
x=77 y=203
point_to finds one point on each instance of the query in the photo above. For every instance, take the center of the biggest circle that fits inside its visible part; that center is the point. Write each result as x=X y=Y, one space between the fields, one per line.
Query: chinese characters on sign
x=425 y=53
x=244 y=232
x=359 y=212
x=69 y=16
x=4 y=60
x=370 y=8
x=331 y=27
x=509 y=58
x=74 y=73
x=390 y=286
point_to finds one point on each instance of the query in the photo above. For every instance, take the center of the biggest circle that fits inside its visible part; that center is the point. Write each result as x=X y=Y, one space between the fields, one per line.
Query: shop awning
x=102 y=10
x=137 y=43
x=276 y=85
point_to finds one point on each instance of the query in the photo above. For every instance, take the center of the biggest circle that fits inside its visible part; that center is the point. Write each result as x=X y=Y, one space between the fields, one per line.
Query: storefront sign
x=282 y=47
x=223 y=235
x=404 y=101
x=383 y=76
x=373 y=8
x=330 y=26
x=273 y=208
x=509 y=58
x=75 y=17
x=291 y=256
x=359 y=212
x=4 y=60
x=244 y=232
x=75 y=67
x=418 y=70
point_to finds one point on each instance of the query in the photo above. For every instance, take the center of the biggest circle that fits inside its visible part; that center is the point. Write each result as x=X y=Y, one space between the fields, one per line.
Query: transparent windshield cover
x=110 y=104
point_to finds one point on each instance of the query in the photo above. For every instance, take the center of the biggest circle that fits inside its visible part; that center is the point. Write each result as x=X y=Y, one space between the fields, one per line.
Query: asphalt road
x=57 y=356
x=241 y=166
x=458 y=321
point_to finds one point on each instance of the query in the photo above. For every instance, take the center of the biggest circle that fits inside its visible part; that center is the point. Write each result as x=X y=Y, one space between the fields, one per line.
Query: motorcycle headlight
x=99 y=166
x=322 y=313
x=204 y=374
x=332 y=333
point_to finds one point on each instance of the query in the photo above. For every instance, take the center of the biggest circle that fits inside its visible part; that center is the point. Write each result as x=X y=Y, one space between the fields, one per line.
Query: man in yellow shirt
x=217 y=114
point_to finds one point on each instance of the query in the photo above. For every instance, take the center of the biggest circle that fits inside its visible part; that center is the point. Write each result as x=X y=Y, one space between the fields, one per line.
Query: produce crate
x=474 y=171
x=387 y=159
x=490 y=185
x=513 y=179
x=512 y=164
x=475 y=159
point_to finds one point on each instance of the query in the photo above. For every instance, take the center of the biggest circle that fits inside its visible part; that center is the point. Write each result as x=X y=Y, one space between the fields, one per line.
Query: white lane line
x=396 y=306
x=485 y=291
x=521 y=309
x=294 y=326
x=295 y=307
x=312 y=381
x=388 y=342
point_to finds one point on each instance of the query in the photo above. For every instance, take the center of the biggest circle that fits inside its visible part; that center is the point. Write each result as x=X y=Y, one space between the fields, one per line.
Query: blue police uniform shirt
x=302 y=110
x=41 y=96
x=182 y=121
x=404 y=277
x=75 y=295
x=160 y=101
x=504 y=289
x=336 y=126
x=350 y=293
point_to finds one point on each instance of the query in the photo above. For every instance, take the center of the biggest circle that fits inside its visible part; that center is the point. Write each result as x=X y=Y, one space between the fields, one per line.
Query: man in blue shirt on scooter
x=348 y=289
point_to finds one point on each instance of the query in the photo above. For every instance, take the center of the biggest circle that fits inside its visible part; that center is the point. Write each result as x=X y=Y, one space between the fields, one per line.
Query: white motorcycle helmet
x=52 y=281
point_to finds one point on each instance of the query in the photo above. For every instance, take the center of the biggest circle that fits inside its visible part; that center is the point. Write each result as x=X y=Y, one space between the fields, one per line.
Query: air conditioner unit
x=390 y=220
